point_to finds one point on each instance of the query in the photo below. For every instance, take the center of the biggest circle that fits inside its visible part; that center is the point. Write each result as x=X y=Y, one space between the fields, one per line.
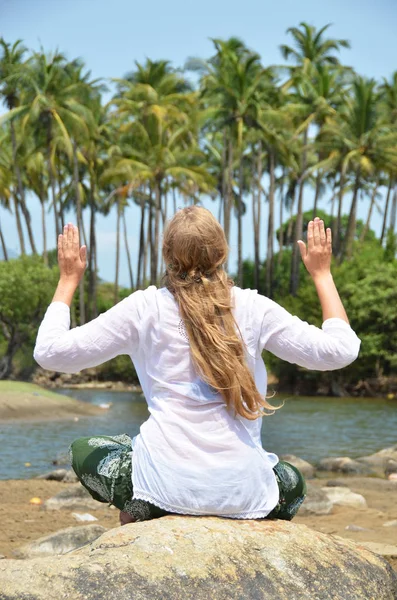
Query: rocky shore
x=354 y=499
x=382 y=387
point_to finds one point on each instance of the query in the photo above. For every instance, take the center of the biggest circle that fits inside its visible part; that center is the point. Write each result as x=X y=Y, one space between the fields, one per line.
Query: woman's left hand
x=72 y=259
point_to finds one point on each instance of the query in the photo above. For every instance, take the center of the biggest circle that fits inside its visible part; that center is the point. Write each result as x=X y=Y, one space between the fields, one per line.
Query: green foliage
x=367 y=285
x=289 y=227
x=26 y=287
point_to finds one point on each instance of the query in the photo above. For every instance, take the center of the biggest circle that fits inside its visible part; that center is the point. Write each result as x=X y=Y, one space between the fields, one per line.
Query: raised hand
x=317 y=255
x=72 y=258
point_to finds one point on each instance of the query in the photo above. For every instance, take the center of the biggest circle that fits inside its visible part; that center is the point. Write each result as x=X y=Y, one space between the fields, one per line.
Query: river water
x=312 y=428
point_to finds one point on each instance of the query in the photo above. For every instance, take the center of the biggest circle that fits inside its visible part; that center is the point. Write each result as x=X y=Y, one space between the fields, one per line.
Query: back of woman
x=197 y=345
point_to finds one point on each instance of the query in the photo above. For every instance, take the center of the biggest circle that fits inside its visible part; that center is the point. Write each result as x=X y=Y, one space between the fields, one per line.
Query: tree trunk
x=3 y=245
x=281 y=230
x=20 y=188
x=393 y=212
x=317 y=194
x=270 y=226
x=19 y=225
x=351 y=225
x=141 y=246
x=80 y=226
x=116 y=279
x=52 y=182
x=299 y=224
x=154 y=256
x=92 y=273
x=13 y=344
x=127 y=251
x=336 y=230
x=385 y=214
x=59 y=201
x=228 y=201
x=44 y=230
x=256 y=201
x=371 y=206
x=174 y=198
x=239 y=225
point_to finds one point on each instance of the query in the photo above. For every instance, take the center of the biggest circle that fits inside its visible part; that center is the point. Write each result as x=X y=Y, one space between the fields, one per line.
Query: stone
x=61 y=541
x=304 y=467
x=2 y=556
x=202 y=558
x=353 y=527
x=392 y=523
x=391 y=467
x=378 y=460
x=344 y=464
x=75 y=497
x=316 y=502
x=84 y=517
x=336 y=483
x=70 y=477
x=55 y=475
x=343 y=496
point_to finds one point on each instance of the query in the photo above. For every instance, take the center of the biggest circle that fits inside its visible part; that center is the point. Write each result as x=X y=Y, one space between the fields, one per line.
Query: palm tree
x=232 y=82
x=369 y=143
x=11 y=69
x=311 y=53
x=388 y=108
x=312 y=48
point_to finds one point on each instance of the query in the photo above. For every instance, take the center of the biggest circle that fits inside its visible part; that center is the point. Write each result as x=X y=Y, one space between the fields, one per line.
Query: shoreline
x=383 y=387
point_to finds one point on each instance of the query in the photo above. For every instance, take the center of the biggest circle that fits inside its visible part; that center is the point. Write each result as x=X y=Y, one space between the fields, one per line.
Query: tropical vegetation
x=244 y=132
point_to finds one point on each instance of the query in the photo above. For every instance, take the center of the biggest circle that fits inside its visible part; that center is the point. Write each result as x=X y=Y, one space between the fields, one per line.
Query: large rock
x=344 y=464
x=304 y=467
x=343 y=496
x=74 y=497
x=378 y=461
x=55 y=475
x=65 y=475
x=61 y=541
x=316 y=502
x=186 y=558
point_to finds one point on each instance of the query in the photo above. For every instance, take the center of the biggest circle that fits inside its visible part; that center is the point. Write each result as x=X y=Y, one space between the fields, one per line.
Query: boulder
x=344 y=464
x=74 y=497
x=55 y=475
x=70 y=477
x=343 y=496
x=188 y=558
x=61 y=541
x=378 y=461
x=391 y=467
x=316 y=502
x=304 y=467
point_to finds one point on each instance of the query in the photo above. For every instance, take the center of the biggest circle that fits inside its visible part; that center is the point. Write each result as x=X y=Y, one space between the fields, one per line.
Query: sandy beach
x=23 y=522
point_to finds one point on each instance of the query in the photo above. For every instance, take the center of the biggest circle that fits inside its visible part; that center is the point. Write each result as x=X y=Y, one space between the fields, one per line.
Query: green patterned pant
x=103 y=465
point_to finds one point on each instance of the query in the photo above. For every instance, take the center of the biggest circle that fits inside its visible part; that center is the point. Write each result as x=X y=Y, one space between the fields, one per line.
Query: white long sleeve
x=334 y=346
x=114 y=332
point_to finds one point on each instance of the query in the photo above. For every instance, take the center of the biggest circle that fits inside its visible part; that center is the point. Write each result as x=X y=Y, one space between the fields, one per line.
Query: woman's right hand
x=317 y=255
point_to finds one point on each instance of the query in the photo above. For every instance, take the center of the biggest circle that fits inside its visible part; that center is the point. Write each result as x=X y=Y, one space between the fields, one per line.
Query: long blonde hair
x=195 y=250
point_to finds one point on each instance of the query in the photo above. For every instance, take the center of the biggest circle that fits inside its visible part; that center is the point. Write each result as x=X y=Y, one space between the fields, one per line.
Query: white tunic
x=192 y=455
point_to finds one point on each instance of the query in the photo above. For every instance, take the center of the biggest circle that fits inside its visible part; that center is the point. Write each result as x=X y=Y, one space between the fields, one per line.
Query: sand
x=22 y=522
x=20 y=400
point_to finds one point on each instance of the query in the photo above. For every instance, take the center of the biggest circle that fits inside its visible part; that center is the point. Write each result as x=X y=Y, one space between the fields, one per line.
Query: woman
x=196 y=344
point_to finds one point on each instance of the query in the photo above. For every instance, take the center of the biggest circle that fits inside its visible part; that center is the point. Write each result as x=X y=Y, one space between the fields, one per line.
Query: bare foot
x=126 y=518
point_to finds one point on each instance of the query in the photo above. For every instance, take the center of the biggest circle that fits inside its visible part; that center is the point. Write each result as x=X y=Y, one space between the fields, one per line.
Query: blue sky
x=110 y=36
